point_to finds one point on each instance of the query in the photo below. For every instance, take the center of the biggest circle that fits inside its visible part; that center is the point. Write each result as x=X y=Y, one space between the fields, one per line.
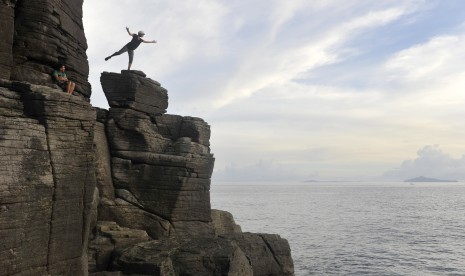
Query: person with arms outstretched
x=131 y=46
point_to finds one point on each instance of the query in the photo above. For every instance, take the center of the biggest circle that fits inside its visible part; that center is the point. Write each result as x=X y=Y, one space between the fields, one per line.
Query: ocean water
x=356 y=228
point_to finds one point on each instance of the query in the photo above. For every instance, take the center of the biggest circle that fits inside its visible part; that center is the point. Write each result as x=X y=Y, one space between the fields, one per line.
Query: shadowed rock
x=196 y=256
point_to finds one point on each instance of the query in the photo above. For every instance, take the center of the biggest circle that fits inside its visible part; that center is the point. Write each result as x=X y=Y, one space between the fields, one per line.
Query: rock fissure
x=271 y=250
x=53 y=200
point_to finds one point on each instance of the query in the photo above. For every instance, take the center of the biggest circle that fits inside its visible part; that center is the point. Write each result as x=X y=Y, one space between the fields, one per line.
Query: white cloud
x=432 y=61
x=277 y=80
x=431 y=161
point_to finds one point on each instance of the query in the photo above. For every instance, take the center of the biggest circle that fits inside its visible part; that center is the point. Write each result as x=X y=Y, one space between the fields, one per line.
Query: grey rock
x=7 y=23
x=39 y=36
x=128 y=215
x=196 y=256
x=109 y=236
x=131 y=89
x=269 y=254
x=223 y=222
x=47 y=188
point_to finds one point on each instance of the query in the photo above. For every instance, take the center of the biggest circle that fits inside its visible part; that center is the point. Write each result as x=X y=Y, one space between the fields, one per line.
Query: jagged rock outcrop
x=161 y=167
x=47 y=180
x=39 y=36
x=161 y=164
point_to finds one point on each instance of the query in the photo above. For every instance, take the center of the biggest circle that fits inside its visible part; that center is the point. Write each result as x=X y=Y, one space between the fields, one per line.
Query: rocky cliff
x=39 y=36
x=87 y=191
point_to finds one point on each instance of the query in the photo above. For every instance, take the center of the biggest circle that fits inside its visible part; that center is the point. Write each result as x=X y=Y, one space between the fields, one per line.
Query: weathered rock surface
x=268 y=254
x=38 y=36
x=7 y=24
x=223 y=222
x=131 y=89
x=161 y=167
x=191 y=256
x=47 y=182
x=108 y=237
x=161 y=164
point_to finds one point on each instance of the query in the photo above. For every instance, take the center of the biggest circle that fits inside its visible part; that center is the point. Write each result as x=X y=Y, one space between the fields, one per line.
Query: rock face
x=161 y=164
x=38 y=37
x=124 y=191
x=47 y=183
x=161 y=168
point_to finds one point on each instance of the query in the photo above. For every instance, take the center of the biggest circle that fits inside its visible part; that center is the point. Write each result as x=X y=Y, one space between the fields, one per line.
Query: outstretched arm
x=152 y=41
x=127 y=29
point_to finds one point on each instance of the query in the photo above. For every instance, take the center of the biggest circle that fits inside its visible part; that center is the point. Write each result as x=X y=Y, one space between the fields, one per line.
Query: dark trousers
x=125 y=49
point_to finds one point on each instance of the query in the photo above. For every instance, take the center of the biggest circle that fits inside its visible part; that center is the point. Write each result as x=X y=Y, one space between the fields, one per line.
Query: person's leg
x=72 y=87
x=63 y=86
x=131 y=58
x=68 y=87
x=124 y=49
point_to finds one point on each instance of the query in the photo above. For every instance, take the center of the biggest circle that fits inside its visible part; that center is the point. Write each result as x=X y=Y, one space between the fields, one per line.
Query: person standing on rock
x=62 y=80
x=131 y=46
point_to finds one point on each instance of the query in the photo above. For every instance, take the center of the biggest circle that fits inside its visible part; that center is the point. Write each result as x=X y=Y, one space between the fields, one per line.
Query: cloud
x=273 y=61
x=431 y=161
x=432 y=62
x=365 y=81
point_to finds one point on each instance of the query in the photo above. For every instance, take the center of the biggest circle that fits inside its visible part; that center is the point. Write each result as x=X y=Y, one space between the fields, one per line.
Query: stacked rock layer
x=40 y=36
x=47 y=182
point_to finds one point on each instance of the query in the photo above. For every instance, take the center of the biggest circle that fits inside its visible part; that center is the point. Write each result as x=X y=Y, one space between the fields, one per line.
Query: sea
x=356 y=228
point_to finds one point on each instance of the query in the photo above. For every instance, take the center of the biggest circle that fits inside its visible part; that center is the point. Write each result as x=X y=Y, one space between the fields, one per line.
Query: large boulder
x=223 y=222
x=131 y=89
x=269 y=254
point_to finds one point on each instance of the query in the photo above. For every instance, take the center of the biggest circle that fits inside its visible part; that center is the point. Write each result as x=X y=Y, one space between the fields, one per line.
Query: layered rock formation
x=47 y=180
x=39 y=36
x=160 y=169
x=161 y=164
x=122 y=191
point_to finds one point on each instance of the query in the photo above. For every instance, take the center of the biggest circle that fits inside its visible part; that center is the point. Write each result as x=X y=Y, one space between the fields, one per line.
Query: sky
x=302 y=90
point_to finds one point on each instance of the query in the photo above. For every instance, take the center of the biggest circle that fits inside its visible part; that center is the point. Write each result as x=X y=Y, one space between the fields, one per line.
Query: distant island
x=427 y=179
